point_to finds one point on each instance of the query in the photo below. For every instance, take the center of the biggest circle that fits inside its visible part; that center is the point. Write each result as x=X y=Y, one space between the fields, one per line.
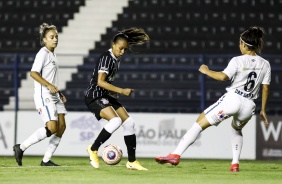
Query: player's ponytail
x=43 y=29
x=134 y=36
x=253 y=38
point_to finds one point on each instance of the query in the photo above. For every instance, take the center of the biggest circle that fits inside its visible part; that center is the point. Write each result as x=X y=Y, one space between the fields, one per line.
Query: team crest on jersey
x=47 y=100
x=39 y=111
x=222 y=116
x=104 y=101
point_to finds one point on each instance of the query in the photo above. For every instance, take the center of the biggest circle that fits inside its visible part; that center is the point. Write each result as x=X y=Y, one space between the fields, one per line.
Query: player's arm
x=264 y=99
x=36 y=76
x=104 y=84
x=220 y=76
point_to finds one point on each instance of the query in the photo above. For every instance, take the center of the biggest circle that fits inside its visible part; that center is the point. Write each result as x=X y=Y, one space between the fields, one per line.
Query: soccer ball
x=112 y=154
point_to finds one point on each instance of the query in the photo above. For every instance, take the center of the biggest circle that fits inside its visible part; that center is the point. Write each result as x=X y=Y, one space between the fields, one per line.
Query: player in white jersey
x=247 y=73
x=101 y=97
x=49 y=101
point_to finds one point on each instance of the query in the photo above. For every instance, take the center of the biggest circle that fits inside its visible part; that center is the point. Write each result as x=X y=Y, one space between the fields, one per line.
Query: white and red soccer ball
x=112 y=154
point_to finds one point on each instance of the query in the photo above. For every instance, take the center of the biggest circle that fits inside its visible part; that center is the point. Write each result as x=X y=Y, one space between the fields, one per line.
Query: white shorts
x=49 y=106
x=231 y=104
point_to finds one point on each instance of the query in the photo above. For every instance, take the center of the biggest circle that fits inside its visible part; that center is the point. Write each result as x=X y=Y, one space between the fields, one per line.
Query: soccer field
x=78 y=170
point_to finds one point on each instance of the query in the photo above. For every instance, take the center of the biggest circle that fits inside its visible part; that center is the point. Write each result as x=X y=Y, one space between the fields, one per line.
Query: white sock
x=128 y=126
x=52 y=146
x=188 y=139
x=237 y=143
x=37 y=136
x=112 y=125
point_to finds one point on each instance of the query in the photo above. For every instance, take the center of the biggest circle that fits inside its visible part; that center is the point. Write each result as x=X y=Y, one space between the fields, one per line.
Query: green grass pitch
x=76 y=170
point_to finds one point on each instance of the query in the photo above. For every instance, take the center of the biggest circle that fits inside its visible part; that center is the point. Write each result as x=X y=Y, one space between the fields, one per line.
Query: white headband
x=245 y=42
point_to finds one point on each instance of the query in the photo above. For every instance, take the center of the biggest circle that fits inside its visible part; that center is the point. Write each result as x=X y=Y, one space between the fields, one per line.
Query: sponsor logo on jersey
x=244 y=68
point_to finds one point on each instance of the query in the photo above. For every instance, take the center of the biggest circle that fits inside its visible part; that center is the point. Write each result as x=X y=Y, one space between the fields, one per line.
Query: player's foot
x=172 y=159
x=93 y=155
x=18 y=154
x=49 y=163
x=135 y=166
x=234 y=168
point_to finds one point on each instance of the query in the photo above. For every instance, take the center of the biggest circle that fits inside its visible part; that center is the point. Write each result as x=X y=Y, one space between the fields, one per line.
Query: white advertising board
x=157 y=134
x=7 y=132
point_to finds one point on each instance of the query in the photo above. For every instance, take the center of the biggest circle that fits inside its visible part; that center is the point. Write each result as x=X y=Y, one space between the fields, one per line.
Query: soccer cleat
x=93 y=155
x=234 y=168
x=18 y=154
x=135 y=166
x=172 y=159
x=49 y=163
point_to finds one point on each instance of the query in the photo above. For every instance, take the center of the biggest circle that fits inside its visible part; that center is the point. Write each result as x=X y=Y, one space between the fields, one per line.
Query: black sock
x=102 y=137
x=130 y=141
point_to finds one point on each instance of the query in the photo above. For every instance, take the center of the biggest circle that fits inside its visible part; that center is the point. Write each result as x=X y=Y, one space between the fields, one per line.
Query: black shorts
x=96 y=105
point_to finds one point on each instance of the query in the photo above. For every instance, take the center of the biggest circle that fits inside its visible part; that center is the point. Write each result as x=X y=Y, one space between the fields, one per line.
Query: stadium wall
x=157 y=134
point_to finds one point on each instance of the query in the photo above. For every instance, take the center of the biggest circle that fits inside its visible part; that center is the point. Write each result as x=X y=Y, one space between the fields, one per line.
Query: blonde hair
x=43 y=29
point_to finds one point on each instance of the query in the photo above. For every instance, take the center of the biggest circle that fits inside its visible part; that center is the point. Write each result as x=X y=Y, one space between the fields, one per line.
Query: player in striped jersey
x=247 y=73
x=49 y=101
x=101 y=96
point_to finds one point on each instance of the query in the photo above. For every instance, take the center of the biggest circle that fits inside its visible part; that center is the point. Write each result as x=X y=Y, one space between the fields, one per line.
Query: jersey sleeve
x=104 y=65
x=39 y=62
x=267 y=78
x=231 y=68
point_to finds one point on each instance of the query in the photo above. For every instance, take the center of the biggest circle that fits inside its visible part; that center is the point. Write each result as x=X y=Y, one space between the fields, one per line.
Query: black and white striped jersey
x=107 y=63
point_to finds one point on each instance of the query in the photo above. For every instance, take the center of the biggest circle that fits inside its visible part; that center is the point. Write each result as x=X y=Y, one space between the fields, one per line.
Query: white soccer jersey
x=247 y=73
x=46 y=64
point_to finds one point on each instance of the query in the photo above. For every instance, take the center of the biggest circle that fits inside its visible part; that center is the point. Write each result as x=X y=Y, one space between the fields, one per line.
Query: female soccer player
x=247 y=73
x=49 y=101
x=101 y=96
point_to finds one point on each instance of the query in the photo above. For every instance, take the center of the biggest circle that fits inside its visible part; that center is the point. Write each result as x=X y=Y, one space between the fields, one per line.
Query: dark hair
x=134 y=36
x=43 y=29
x=253 y=38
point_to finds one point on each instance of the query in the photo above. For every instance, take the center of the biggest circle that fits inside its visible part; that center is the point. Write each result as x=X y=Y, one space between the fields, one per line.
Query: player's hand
x=203 y=69
x=52 y=88
x=63 y=98
x=264 y=118
x=127 y=91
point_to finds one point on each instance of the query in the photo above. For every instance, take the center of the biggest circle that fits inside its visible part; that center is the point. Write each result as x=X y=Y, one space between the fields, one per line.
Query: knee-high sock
x=236 y=143
x=188 y=139
x=52 y=146
x=106 y=133
x=103 y=136
x=36 y=137
x=130 y=138
x=130 y=141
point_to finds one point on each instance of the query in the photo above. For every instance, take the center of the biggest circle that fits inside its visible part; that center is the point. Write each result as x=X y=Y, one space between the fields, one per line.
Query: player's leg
x=54 y=142
x=102 y=109
x=213 y=115
x=129 y=139
x=114 y=122
x=38 y=135
x=239 y=121
x=55 y=138
x=236 y=144
x=188 y=139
